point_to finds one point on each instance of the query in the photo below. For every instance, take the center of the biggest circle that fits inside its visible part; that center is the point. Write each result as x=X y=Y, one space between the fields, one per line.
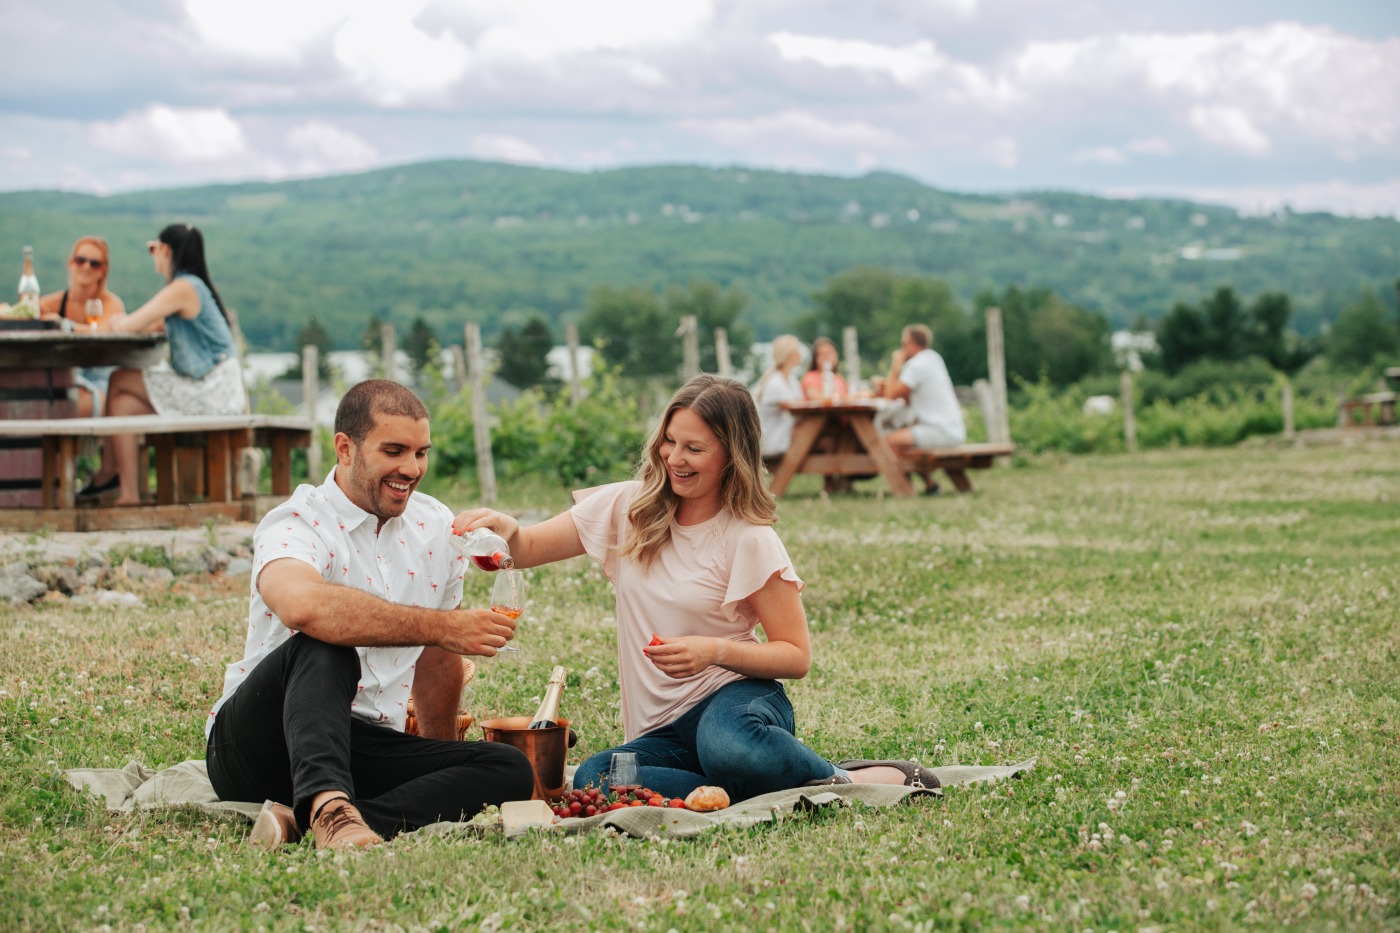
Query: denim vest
x=199 y=344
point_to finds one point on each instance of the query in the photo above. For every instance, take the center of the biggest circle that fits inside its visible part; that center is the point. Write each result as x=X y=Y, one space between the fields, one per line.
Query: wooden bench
x=1368 y=410
x=956 y=461
x=218 y=440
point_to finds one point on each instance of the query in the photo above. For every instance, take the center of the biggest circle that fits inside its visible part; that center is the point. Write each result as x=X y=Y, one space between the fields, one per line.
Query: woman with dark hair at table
x=88 y=265
x=203 y=377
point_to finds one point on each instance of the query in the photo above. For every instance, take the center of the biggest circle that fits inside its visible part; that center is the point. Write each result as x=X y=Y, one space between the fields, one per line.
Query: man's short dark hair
x=358 y=409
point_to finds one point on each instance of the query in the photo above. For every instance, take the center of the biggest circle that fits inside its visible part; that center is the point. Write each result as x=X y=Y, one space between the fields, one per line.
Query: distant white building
x=560 y=363
x=1129 y=346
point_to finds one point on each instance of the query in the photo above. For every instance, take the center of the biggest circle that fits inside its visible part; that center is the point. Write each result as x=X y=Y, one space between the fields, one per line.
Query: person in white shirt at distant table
x=920 y=379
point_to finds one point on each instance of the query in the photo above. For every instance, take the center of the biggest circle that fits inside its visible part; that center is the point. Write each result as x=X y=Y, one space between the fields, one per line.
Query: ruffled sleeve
x=600 y=515
x=758 y=554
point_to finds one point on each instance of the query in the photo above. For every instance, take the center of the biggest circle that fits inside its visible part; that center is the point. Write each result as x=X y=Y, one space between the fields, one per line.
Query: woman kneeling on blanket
x=690 y=549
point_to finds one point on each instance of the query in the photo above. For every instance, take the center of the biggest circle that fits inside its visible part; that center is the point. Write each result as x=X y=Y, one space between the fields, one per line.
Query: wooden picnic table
x=38 y=371
x=217 y=441
x=857 y=448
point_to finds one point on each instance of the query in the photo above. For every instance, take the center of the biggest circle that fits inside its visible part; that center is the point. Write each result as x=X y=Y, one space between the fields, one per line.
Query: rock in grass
x=118 y=598
x=19 y=588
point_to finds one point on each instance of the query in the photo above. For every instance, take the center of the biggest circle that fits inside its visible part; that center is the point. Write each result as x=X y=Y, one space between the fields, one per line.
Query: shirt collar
x=349 y=514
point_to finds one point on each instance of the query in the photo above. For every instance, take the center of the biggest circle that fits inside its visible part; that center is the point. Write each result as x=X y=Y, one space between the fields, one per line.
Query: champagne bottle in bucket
x=547 y=716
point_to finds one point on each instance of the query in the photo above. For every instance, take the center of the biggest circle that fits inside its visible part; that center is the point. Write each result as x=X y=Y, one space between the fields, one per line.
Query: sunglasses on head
x=85 y=261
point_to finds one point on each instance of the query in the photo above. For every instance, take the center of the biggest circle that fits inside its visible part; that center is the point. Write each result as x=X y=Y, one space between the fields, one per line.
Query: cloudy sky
x=1249 y=102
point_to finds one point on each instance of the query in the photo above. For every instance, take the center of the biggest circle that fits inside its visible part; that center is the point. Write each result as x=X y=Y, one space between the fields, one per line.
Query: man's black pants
x=286 y=734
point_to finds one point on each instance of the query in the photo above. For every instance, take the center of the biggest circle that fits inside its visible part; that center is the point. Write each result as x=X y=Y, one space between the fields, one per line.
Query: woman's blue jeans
x=740 y=738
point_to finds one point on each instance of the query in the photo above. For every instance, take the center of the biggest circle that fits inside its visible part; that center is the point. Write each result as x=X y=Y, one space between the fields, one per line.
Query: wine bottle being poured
x=487 y=549
x=547 y=716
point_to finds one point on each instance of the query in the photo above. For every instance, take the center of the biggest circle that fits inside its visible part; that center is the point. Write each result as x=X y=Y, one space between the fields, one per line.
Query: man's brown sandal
x=915 y=775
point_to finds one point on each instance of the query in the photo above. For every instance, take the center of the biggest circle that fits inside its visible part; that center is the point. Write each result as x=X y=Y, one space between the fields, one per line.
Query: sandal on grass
x=915 y=775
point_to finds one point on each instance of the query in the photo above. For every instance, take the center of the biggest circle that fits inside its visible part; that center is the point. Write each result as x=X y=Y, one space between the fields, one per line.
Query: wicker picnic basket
x=465 y=720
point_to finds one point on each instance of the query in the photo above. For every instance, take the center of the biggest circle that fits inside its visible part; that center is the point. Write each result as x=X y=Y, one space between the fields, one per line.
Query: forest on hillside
x=447 y=242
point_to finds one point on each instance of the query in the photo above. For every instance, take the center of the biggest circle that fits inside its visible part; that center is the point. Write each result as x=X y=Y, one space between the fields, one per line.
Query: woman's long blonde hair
x=784 y=347
x=728 y=410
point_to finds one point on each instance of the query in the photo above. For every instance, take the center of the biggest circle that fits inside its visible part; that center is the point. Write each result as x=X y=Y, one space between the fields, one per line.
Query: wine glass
x=508 y=597
x=92 y=313
x=623 y=778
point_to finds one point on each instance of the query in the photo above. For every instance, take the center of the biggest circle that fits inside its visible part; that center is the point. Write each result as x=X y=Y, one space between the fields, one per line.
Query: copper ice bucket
x=546 y=749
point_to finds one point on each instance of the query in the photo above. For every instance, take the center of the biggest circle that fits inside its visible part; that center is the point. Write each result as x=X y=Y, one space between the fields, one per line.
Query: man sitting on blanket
x=354 y=608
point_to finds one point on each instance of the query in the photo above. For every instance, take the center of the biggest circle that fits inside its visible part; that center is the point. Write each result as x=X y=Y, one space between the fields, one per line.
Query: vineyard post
x=485 y=466
x=310 y=395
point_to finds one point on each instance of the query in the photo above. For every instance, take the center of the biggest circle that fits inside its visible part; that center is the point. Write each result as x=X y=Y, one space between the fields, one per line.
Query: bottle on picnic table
x=828 y=381
x=487 y=549
x=547 y=716
x=29 y=282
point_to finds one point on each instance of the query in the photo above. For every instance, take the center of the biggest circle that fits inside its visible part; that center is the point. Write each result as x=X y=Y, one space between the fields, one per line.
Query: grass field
x=1199 y=646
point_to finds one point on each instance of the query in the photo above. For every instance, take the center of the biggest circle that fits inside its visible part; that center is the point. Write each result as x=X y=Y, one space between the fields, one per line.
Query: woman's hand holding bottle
x=471 y=519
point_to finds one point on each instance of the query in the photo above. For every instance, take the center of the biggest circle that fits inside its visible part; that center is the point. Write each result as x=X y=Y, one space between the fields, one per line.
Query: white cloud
x=920 y=66
x=1003 y=152
x=321 y=147
x=274 y=30
x=1239 y=89
x=173 y=135
x=1150 y=145
x=788 y=128
x=1229 y=128
x=393 y=61
x=905 y=64
x=506 y=148
x=960 y=93
x=1104 y=155
x=546 y=28
x=1122 y=155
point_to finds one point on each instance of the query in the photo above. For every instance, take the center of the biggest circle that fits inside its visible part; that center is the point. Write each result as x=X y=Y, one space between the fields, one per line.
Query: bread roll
x=704 y=799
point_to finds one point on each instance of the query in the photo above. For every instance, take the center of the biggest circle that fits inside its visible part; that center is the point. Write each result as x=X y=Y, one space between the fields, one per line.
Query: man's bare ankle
x=325 y=795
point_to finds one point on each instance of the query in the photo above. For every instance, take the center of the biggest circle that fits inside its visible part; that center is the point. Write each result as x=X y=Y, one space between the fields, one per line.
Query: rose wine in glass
x=508 y=597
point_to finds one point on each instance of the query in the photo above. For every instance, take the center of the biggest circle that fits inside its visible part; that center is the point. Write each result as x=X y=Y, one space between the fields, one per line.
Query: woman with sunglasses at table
x=88 y=265
x=204 y=375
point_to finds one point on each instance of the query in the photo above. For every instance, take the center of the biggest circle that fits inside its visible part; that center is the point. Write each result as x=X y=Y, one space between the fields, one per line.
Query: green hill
x=463 y=240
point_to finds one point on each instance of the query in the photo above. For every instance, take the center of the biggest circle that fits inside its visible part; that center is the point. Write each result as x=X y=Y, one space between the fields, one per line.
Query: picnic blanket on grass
x=137 y=787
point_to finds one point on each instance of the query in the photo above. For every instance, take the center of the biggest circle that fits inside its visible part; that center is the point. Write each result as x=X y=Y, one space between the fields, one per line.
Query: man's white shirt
x=409 y=562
